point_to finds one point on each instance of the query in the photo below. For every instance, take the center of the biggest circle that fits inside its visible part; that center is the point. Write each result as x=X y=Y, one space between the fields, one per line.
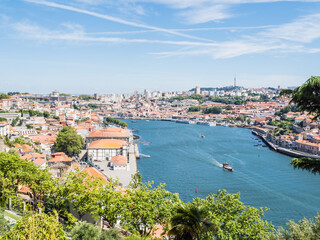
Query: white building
x=105 y=149
x=4 y=129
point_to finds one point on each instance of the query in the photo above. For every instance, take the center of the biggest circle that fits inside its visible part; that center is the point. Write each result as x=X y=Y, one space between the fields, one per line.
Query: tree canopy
x=307 y=96
x=68 y=141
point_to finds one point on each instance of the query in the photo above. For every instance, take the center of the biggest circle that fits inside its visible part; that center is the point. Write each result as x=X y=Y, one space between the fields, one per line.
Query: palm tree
x=312 y=165
x=189 y=222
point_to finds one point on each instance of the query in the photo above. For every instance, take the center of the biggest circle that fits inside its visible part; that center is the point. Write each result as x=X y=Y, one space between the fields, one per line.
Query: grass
x=15 y=217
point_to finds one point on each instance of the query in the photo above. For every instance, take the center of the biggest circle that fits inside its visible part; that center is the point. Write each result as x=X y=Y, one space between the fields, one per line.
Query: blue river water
x=185 y=162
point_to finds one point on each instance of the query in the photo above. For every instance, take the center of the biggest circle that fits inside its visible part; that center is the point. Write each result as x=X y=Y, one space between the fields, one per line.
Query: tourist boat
x=226 y=166
x=133 y=121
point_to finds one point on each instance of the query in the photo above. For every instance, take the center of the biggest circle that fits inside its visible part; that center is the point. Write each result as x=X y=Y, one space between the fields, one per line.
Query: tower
x=235 y=82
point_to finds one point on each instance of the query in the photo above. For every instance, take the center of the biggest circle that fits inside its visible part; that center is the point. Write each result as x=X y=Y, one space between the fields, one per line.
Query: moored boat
x=226 y=166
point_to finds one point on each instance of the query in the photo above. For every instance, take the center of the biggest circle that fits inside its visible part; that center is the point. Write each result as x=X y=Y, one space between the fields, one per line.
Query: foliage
x=4 y=96
x=85 y=97
x=3 y=119
x=46 y=114
x=194 y=109
x=307 y=96
x=233 y=219
x=303 y=230
x=111 y=234
x=213 y=110
x=4 y=224
x=309 y=164
x=13 y=93
x=190 y=222
x=82 y=191
x=55 y=117
x=111 y=203
x=286 y=109
x=37 y=226
x=68 y=141
x=93 y=106
x=283 y=126
x=85 y=231
x=29 y=126
x=116 y=121
x=15 y=121
x=148 y=207
x=14 y=151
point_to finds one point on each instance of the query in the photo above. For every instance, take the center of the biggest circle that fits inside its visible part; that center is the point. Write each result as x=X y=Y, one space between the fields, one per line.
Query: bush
x=112 y=234
x=85 y=231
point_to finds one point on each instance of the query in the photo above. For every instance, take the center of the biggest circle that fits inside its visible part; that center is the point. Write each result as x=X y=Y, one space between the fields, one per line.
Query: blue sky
x=118 y=46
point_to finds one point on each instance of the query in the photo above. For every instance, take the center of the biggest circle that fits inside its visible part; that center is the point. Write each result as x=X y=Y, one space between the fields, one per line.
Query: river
x=185 y=162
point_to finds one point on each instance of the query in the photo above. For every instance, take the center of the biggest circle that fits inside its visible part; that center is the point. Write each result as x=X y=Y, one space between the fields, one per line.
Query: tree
x=82 y=191
x=214 y=110
x=111 y=204
x=37 y=226
x=85 y=231
x=68 y=141
x=46 y=114
x=307 y=96
x=303 y=230
x=190 y=222
x=4 y=96
x=13 y=172
x=3 y=119
x=148 y=207
x=111 y=234
x=14 y=151
x=233 y=219
x=312 y=165
x=4 y=224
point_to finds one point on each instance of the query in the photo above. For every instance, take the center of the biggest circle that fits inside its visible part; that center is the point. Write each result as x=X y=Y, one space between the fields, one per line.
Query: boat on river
x=226 y=166
x=202 y=136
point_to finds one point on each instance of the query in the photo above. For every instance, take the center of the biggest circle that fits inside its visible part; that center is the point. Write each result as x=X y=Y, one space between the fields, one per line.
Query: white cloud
x=206 y=14
x=305 y=29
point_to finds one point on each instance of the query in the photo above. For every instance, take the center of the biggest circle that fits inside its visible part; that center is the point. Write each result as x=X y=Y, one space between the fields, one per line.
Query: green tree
x=4 y=96
x=85 y=97
x=3 y=119
x=312 y=165
x=233 y=219
x=307 y=96
x=68 y=141
x=111 y=204
x=4 y=224
x=148 y=207
x=214 y=110
x=305 y=229
x=111 y=234
x=83 y=192
x=37 y=226
x=190 y=222
x=85 y=231
x=46 y=114
x=14 y=151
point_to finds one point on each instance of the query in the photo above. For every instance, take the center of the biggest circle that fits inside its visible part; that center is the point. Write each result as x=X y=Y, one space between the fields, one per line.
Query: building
x=108 y=133
x=4 y=129
x=119 y=162
x=59 y=164
x=197 y=90
x=106 y=149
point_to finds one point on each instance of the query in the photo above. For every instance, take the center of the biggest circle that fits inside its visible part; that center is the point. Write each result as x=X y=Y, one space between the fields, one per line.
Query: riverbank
x=285 y=151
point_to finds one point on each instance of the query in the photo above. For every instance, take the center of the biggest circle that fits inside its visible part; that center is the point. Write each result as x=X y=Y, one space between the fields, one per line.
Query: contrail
x=113 y=19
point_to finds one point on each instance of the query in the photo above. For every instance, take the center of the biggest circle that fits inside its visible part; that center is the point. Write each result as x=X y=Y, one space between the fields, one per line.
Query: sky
x=119 y=46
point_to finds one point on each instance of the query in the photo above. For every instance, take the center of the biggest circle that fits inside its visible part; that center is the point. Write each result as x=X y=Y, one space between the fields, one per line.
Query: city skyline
x=88 y=46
